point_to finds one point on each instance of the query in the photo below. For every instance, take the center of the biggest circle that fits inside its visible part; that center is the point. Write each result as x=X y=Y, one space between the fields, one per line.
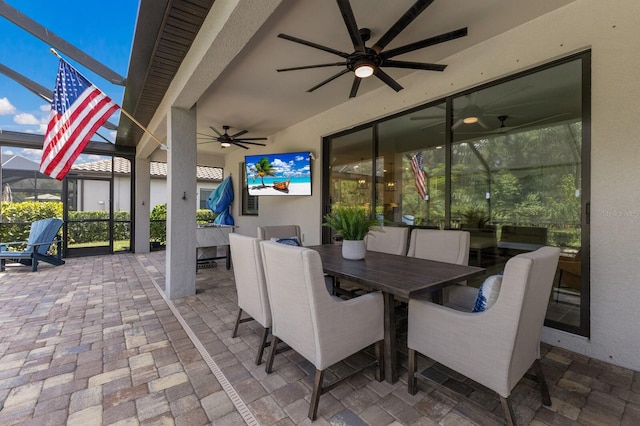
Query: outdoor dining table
x=397 y=277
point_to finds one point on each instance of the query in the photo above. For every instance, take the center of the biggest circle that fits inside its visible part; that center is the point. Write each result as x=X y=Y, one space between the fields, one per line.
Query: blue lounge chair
x=42 y=235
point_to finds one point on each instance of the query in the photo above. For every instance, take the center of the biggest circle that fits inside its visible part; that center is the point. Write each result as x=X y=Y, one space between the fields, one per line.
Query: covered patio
x=95 y=342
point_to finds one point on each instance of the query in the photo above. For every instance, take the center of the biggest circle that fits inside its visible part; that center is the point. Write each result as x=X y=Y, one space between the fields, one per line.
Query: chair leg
x=379 y=351
x=263 y=344
x=272 y=354
x=412 y=381
x=315 y=395
x=508 y=411
x=542 y=382
x=235 y=327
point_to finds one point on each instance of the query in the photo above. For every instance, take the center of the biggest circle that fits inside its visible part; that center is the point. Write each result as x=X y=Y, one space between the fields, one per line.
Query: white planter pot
x=353 y=249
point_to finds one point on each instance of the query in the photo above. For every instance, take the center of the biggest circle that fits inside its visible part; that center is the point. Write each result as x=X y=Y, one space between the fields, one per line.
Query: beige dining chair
x=253 y=299
x=280 y=231
x=442 y=246
x=389 y=239
x=449 y=246
x=498 y=346
x=322 y=328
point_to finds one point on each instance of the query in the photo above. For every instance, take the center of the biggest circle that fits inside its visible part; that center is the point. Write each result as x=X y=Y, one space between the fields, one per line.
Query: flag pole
x=129 y=116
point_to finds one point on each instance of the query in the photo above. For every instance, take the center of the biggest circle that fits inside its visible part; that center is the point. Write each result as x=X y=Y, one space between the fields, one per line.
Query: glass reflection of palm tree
x=263 y=168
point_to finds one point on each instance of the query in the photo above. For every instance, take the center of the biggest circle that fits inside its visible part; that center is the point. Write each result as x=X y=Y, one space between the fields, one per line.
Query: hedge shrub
x=16 y=221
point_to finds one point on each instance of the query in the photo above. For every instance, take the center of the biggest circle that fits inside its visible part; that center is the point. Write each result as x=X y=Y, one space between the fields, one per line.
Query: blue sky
x=102 y=29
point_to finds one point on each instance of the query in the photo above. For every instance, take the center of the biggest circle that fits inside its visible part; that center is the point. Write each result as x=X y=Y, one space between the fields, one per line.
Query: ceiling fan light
x=363 y=71
x=470 y=120
x=225 y=144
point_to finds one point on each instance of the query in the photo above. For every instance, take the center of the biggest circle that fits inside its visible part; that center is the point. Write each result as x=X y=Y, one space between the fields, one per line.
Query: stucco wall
x=610 y=31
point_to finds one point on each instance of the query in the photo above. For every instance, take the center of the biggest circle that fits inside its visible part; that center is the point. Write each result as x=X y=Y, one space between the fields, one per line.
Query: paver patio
x=94 y=342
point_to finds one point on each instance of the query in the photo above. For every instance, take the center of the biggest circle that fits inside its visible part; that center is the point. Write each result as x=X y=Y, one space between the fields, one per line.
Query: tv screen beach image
x=279 y=174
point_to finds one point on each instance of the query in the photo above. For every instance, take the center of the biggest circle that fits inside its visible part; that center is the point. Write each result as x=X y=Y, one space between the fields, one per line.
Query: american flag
x=417 y=168
x=78 y=109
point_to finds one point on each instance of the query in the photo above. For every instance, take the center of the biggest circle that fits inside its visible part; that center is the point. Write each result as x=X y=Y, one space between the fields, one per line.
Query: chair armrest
x=462 y=297
x=464 y=339
x=348 y=326
x=54 y=241
x=3 y=246
x=13 y=243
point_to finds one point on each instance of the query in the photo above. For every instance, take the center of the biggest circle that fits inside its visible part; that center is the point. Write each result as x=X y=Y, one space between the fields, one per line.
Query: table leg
x=390 y=355
x=228 y=257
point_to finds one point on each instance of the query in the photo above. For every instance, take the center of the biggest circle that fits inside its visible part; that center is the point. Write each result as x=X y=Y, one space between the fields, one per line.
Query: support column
x=143 y=209
x=181 y=205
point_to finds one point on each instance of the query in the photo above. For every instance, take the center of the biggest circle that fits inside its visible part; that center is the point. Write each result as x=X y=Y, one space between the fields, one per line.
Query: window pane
x=401 y=139
x=516 y=173
x=351 y=168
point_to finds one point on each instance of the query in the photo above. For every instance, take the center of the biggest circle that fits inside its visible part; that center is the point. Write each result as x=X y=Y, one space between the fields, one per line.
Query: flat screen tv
x=279 y=174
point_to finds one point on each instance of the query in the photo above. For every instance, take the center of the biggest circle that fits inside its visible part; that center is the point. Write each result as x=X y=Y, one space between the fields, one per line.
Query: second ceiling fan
x=366 y=61
x=226 y=140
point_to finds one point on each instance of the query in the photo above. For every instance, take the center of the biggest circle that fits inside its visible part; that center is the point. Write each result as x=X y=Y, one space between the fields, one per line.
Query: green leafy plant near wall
x=158 y=227
x=350 y=222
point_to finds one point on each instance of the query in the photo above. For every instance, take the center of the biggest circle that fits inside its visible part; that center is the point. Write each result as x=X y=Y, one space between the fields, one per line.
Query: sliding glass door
x=508 y=162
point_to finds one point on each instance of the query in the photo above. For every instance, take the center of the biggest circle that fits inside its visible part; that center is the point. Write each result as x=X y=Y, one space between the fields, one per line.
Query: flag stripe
x=78 y=109
x=77 y=134
x=80 y=141
x=63 y=122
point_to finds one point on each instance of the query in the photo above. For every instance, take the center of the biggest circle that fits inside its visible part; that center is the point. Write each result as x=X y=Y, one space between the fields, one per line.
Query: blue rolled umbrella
x=220 y=202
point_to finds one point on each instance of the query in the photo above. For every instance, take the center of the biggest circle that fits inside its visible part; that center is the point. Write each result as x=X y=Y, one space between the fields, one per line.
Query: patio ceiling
x=250 y=94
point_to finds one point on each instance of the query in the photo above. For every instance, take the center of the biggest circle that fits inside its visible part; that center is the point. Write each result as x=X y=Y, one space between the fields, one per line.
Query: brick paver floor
x=94 y=342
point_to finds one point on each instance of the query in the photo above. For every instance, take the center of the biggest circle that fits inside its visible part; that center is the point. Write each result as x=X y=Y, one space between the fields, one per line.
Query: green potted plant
x=352 y=223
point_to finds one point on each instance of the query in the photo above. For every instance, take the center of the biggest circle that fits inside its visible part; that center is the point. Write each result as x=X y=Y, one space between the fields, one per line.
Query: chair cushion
x=487 y=293
x=290 y=241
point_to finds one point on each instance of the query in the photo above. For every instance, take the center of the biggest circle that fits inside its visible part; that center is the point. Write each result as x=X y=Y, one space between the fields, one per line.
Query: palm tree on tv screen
x=263 y=168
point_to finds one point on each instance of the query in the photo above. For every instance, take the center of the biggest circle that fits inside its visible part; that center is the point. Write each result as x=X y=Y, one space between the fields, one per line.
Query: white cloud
x=45 y=107
x=5 y=107
x=24 y=118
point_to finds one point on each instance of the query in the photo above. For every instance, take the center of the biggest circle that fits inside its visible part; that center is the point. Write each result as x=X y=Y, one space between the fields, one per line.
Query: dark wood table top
x=401 y=276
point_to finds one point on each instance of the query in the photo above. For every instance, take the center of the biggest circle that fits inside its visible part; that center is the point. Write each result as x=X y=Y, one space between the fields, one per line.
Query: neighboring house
x=17 y=168
x=208 y=179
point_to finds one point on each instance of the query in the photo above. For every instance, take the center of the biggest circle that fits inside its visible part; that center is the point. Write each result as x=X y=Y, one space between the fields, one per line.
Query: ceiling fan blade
x=551 y=117
x=355 y=86
x=507 y=129
x=237 y=144
x=306 y=67
x=414 y=65
x=451 y=35
x=251 y=139
x=352 y=26
x=457 y=124
x=408 y=17
x=387 y=79
x=314 y=45
x=437 y=123
x=239 y=134
x=333 y=77
x=216 y=132
x=483 y=124
x=249 y=143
